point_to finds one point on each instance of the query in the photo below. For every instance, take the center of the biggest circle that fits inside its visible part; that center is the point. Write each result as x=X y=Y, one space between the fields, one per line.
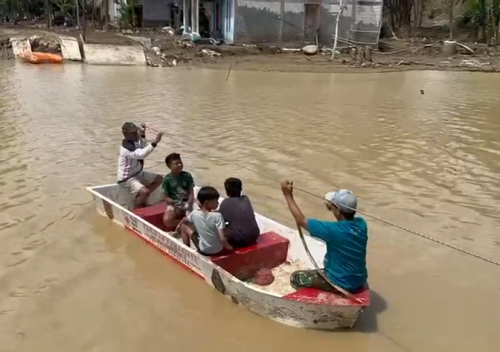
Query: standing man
x=133 y=151
x=346 y=240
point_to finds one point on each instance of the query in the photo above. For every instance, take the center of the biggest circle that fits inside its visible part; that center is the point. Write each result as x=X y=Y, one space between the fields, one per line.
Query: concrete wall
x=258 y=21
x=101 y=54
x=70 y=48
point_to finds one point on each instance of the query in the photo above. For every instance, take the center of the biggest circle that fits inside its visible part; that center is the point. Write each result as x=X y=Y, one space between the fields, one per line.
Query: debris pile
x=45 y=44
x=164 y=62
x=170 y=51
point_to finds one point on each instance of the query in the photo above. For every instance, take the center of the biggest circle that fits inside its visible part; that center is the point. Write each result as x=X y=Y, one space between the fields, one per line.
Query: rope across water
x=463 y=251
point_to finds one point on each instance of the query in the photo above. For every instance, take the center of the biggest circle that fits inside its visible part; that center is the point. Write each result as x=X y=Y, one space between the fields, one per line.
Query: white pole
x=337 y=29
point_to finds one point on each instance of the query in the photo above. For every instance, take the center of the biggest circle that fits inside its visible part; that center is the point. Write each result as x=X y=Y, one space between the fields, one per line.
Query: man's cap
x=343 y=199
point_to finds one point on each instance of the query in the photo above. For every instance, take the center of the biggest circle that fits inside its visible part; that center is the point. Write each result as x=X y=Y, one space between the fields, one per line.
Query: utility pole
x=77 y=11
x=84 y=29
x=47 y=12
x=452 y=15
x=106 y=14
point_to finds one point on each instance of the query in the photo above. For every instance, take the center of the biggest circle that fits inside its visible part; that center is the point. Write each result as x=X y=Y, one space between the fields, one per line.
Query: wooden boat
x=41 y=58
x=231 y=274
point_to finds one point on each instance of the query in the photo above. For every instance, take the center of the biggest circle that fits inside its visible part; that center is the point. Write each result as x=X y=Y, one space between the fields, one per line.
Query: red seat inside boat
x=154 y=215
x=269 y=252
x=311 y=295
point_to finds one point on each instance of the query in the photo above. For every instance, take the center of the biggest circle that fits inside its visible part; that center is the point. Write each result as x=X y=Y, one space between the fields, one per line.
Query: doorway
x=311 y=21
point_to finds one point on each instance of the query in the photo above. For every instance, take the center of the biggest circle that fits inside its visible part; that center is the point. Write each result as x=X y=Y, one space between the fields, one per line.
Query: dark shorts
x=310 y=279
x=195 y=237
x=236 y=240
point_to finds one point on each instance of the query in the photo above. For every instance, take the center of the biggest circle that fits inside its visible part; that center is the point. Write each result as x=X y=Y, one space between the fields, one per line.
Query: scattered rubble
x=168 y=52
x=168 y=30
x=474 y=63
x=185 y=44
x=164 y=60
x=210 y=53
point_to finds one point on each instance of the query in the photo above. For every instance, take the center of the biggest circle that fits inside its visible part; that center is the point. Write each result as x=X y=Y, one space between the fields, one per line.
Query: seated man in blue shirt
x=346 y=240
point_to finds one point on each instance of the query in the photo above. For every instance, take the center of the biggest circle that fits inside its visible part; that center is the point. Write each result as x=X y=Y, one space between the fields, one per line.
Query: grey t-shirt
x=207 y=226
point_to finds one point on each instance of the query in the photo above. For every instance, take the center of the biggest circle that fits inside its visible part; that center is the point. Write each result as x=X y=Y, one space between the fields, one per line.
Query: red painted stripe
x=181 y=264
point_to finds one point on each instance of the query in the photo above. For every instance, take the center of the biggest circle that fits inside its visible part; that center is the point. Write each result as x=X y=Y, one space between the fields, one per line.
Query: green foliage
x=482 y=15
x=477 y=12
x=125 y=14
x=474 y=16
x=65 y=7
x=36 y=7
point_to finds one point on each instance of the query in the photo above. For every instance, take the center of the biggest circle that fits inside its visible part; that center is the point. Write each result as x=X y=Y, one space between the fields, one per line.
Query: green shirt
x=178 y=187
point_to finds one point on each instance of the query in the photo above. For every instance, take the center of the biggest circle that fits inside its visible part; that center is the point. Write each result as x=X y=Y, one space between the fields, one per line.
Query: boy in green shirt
x=178 y=191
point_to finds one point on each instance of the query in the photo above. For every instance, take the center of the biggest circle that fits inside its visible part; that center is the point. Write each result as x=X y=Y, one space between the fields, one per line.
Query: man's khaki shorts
x=134 y=184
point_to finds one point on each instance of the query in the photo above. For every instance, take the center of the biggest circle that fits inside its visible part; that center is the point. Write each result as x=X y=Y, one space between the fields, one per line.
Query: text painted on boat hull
x=172 y=248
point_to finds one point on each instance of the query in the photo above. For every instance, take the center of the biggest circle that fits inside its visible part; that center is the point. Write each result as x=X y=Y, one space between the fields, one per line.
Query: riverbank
x=163 y=49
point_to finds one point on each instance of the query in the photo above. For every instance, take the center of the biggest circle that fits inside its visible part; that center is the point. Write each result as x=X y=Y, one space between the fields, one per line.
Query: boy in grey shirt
x=204 y=226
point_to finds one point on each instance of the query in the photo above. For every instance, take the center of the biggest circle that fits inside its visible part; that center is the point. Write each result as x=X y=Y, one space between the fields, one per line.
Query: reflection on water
x=72 y=280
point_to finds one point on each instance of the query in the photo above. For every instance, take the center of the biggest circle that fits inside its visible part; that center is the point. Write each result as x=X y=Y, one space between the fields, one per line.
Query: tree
x=482 y=16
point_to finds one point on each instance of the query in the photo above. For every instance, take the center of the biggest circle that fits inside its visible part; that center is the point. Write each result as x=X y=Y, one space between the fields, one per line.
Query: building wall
x=156 y=13
x=258 y=21
x=368 y=21
x=360 y=21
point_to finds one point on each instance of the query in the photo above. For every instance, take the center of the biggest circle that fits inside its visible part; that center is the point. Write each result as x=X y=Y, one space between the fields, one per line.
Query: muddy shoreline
x=291 y=63
x=170 y=51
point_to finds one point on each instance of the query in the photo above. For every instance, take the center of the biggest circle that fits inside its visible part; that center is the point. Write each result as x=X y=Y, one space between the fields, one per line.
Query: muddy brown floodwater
x=71 y=280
